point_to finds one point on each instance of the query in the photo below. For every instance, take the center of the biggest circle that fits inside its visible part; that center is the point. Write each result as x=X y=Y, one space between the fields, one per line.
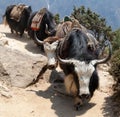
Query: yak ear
x=29 y=9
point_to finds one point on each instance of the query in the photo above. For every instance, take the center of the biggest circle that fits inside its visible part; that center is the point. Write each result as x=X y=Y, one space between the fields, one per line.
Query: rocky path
x=20 y=62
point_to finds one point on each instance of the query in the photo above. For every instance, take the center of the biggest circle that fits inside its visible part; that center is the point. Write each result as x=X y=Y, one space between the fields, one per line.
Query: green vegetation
x=115 y=72
x=116 y=40
x=94 y=22
x=115 y=60
x=57 y=18
x=115 y=69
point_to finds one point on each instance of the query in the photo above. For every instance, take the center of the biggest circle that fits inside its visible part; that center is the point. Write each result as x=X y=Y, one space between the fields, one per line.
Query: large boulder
x=21 y=68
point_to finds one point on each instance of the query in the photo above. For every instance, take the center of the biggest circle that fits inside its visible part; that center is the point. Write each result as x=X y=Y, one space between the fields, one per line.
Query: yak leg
x=21 y=33
x=77 y=102
x=12 y=31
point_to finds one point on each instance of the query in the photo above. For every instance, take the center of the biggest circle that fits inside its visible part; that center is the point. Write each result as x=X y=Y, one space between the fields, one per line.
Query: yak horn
x=65 y=61
x=104 y=60
x=46 y=30
x=93 y=62
x=39 y=41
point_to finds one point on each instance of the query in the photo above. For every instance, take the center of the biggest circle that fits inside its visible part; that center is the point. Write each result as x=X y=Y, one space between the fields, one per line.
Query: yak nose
x=85 y=96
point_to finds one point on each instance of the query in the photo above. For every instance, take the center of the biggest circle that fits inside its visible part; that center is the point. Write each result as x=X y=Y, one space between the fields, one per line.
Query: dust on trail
x=40 y=100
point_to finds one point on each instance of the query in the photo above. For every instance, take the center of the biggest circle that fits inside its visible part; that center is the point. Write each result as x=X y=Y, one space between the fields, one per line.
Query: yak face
x=84 y=72
x=50 y=45
x=50 y=52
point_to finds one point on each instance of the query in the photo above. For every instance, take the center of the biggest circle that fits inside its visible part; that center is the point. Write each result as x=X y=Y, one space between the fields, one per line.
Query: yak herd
x=67 y=44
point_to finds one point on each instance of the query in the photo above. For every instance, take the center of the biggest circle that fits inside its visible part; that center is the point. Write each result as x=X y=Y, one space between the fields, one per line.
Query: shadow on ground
x=111 y=108
x=63 y=105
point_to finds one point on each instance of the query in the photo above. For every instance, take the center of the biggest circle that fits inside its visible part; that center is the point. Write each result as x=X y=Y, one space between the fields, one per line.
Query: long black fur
x=75 y=46
x=41 y=34
x=20 y=26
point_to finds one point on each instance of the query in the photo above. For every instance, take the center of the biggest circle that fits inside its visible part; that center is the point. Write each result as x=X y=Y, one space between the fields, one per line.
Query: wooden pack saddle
x=36 y=21
x=17 y=12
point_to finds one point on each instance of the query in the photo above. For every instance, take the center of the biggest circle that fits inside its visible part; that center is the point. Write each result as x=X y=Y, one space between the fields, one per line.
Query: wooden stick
x=43 y=70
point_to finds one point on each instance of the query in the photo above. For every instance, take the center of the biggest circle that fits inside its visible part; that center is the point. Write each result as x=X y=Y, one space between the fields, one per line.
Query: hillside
x=20 y=62
x=108 y=9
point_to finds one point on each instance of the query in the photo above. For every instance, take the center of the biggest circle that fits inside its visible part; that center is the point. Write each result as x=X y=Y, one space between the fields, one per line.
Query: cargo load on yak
x=17 y=12
x=36 y=21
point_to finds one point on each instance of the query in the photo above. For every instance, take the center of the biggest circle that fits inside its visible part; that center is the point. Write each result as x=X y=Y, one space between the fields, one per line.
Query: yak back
x=67 y=25
x=36 y=21
x=63 y=28
x=17 y=12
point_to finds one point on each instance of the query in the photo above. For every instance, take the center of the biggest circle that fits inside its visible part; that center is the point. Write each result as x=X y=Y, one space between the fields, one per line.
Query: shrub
x=115 y=68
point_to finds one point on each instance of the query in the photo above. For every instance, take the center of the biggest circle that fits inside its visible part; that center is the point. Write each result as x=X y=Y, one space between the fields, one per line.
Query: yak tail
x=5 y=21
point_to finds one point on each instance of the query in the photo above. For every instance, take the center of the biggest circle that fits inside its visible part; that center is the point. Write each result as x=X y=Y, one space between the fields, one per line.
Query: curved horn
x=95 y=62
x=64 y=61
x=47 y=31
x=69 y=61
x=39 y=41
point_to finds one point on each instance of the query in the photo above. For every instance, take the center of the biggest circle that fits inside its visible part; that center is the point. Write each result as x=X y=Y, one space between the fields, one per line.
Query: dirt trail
x=41 y=100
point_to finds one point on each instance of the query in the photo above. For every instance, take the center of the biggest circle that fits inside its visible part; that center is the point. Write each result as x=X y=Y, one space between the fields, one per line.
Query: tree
x=93 y=21
x=116 y=40
x=57 y=18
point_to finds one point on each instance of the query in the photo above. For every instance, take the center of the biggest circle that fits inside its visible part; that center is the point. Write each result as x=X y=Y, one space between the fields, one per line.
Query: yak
x=79 y=64
x=16 y=16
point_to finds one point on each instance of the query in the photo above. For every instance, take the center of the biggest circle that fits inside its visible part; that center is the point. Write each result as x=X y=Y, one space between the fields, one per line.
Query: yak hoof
x=78 y=103
x=77 y=106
